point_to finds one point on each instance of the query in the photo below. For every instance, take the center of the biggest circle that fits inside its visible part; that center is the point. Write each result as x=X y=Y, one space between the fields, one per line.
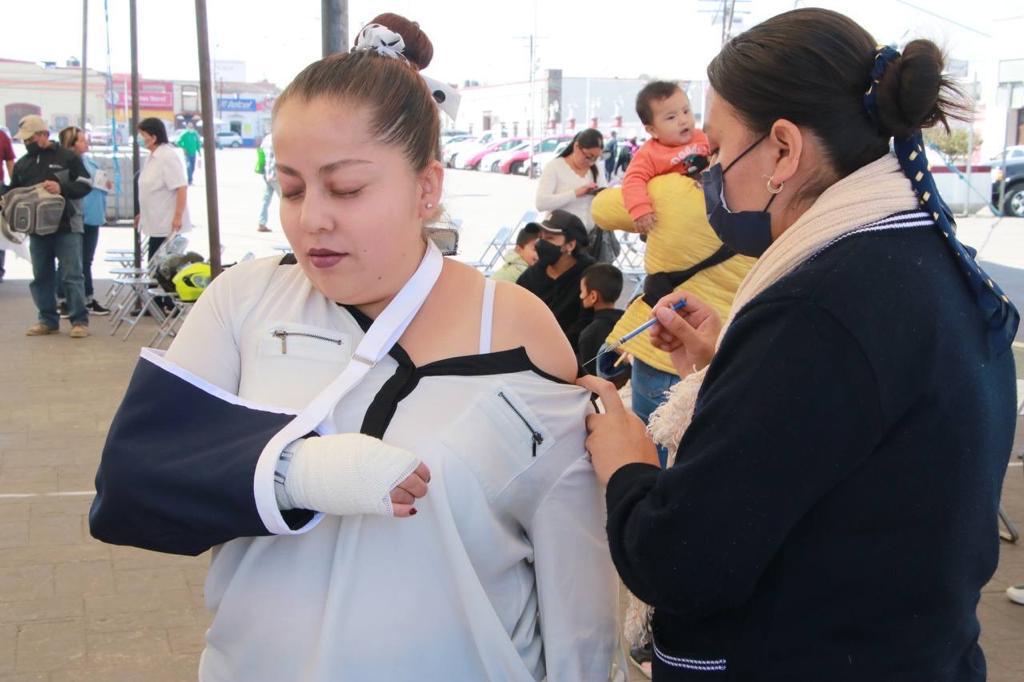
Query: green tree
x=952 y=145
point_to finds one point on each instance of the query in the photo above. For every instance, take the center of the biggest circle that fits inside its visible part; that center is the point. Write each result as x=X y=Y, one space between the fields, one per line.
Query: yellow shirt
x=681 y=239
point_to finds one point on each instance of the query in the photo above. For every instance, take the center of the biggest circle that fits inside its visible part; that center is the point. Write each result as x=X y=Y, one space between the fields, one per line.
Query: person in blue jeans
x=58 y=171
x=93 y=214
x=649 y=386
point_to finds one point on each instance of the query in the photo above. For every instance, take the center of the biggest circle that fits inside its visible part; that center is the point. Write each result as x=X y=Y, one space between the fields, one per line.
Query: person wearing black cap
x=555 y=277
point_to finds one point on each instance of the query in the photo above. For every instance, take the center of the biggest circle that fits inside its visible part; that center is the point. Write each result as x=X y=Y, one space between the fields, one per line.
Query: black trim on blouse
x=407 y=376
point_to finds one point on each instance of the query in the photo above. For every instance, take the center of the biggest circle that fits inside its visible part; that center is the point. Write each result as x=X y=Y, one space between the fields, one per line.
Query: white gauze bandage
x=345 y=473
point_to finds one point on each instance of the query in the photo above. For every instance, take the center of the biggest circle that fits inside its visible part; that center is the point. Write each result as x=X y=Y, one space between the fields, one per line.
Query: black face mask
x=745 y=232
x=32 y=147
x=548 y=253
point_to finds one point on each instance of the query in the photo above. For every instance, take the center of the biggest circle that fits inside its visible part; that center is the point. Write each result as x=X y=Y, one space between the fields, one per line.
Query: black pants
x=154 y=244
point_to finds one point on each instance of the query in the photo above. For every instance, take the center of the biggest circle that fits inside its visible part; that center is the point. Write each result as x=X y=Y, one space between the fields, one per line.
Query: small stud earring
x=429 y=205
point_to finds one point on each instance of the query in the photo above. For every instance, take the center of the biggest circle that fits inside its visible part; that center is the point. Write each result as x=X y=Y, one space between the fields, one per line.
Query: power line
x=946 y=19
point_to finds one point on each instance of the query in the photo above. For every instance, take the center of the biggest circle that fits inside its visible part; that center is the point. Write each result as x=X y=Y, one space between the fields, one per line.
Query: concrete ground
x=74 y=609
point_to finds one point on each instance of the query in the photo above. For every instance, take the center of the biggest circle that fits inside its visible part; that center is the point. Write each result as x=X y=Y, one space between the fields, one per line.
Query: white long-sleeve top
x=558 y=185
x=504 y=574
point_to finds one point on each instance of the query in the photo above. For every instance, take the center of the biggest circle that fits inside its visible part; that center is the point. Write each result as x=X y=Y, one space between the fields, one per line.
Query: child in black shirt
x=600 y=288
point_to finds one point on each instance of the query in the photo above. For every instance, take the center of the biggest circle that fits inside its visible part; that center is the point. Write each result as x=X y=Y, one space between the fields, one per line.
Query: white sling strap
x=382 y=335
x=487 y=317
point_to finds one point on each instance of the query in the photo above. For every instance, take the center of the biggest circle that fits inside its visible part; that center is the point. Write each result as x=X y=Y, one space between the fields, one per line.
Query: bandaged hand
x=351 y=473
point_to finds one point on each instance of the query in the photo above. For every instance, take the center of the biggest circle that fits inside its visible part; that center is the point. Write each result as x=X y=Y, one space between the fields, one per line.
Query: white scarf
x=871 y=193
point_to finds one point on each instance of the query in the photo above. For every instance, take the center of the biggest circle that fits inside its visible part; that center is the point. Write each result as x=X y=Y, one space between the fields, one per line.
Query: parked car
x=1013 y=201
x=449 y=135
x=491 y=163
x=227 y=138
x=451 y=148
x=1014 y=153
x=517 y=163
x=544 y=158
x=469 y=161
x=475 y=147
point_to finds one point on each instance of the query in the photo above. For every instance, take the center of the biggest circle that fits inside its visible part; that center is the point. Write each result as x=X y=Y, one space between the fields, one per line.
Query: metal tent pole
x=133 y=18
x=85 y=62
x=209 y=136
x=334 y=26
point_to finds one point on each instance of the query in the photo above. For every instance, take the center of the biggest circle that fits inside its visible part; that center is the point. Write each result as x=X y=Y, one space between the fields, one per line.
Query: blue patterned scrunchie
x=1001 y=316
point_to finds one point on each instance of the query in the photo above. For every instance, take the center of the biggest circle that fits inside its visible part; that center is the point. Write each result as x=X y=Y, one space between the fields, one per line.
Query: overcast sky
x=485 y=41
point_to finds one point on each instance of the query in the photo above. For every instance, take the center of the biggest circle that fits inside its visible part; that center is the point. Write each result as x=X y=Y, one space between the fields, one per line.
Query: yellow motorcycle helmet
x=192 y=280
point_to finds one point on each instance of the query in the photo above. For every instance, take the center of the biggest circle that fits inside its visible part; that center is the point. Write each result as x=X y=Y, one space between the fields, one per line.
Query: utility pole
x=725 y=11
x=85 y=73
x=970 y=145
x=209 y=136
x=334 y=26
x=533 y=105
x=133 y=18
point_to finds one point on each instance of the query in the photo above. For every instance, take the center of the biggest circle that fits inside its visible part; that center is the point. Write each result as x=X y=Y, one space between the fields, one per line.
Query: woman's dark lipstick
x=324 y=258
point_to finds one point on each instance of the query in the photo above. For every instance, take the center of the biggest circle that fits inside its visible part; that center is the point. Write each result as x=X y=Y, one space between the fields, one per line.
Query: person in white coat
x=163 y=188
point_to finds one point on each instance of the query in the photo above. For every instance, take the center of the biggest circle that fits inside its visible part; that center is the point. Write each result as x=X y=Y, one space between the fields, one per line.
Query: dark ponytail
x=812 y=66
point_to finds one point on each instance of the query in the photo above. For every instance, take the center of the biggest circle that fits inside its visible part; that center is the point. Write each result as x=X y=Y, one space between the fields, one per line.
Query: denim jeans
x=90 y=238
x=190 y=166
x=649 y=388
x=268 y=196
x=66 y=249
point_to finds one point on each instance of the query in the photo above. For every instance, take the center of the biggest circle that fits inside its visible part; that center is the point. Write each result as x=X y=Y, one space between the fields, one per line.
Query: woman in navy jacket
x=831 y=511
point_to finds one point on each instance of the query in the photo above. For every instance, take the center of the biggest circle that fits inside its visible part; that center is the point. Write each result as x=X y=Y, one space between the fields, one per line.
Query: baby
x=664 y=109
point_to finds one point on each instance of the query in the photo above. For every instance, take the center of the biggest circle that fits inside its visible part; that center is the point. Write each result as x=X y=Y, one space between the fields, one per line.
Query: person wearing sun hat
x=59 y=171
x=555 y=277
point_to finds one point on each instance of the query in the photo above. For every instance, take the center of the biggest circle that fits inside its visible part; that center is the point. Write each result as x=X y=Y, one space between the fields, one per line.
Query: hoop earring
x=775 y=190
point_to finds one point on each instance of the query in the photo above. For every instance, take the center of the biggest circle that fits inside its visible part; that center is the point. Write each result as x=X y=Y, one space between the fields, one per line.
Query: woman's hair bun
x=418 y=48
x=913 y=94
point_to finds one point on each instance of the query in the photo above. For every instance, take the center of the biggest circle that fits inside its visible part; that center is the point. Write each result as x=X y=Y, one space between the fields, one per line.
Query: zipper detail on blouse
x=538 y=437
x=283 y=336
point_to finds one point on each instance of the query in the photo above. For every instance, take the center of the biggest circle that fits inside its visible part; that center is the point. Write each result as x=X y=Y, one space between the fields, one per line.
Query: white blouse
x=162 y=174
x=558 y=185
x=504 y=574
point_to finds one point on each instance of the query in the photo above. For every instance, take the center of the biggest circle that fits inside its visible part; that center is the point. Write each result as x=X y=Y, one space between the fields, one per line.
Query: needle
x=677 y=306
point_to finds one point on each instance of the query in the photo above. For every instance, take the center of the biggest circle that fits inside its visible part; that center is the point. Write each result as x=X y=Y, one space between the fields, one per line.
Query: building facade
x=561 y=104
x=54 y=92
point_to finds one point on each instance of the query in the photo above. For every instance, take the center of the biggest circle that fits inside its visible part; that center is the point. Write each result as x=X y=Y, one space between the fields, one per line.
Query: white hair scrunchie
x=381 y=39
x=388 y=43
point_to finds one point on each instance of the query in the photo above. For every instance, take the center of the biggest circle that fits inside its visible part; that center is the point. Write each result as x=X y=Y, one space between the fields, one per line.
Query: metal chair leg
x=1011 y=534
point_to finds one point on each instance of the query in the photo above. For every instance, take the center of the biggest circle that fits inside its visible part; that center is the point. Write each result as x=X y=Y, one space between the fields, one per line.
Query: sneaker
x=79 y=331
x=95 y=308
x=263 y=228
x=1016 y=593
x=62 y=310
x=40 y=329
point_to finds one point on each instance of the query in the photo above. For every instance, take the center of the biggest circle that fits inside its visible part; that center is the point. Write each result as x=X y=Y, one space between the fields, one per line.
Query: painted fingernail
x=412 y=512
